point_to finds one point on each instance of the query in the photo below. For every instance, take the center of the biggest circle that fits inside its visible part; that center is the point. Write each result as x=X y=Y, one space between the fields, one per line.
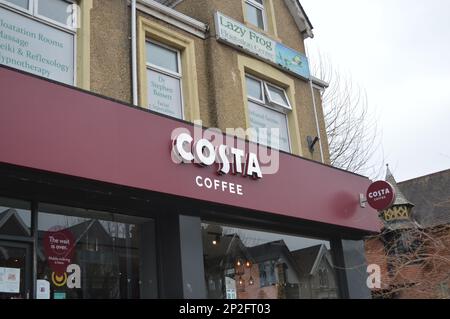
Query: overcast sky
x=399 y=51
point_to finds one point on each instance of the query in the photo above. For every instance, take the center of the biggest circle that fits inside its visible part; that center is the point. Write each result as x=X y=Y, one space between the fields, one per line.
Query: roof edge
x=296 y=9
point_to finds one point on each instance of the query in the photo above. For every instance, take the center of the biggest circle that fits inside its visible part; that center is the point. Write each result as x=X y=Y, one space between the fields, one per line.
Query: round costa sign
x=380 y=195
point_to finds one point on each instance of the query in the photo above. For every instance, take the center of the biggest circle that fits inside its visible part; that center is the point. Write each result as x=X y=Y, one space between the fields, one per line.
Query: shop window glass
x=164 y=80
x=255 y=264
x=15 y=217
x=85 y=254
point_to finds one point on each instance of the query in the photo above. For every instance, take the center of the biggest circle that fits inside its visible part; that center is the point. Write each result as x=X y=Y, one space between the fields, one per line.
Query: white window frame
x=272 y=100
x=268 y=104
x=49 y=22
x=33 y=12
x=19 y=8
x=177 y=75
x=74 y=14
x=253 y=99
x=261 y=7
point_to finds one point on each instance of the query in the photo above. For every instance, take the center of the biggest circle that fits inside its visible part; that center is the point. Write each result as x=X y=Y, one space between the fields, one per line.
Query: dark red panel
x=58 y=129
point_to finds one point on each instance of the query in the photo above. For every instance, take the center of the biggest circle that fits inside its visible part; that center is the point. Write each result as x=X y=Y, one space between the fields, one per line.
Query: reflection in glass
x=162 y=57
x=254 y=88
x=278 y=96
x=115 y=254
x=255 y=16
x=19 y=3
x=15 y=217
x=248 y=264
x=57 y=10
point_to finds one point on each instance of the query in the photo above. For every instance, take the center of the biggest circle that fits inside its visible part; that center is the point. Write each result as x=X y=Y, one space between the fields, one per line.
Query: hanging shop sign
x=238 y=35
x=380 y=195
x=35 y=47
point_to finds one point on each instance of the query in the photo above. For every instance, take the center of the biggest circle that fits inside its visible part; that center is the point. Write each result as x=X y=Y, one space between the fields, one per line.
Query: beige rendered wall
x=225 y=84
x=110 y=49
x=221 y=99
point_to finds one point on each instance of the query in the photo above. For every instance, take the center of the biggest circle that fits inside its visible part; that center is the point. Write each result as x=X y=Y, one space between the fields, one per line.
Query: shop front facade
x=111 y=187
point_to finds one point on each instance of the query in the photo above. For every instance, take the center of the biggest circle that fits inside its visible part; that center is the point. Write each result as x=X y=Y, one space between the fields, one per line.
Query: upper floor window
x=59 y=12
x=268 y=106
x=164 y=80
x=256 y=13
x=38 y=36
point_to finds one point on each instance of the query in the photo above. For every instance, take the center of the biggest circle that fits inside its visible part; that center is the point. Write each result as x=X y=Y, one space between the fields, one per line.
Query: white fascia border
x=319 y=84
x=300 y=17
x=173 y=17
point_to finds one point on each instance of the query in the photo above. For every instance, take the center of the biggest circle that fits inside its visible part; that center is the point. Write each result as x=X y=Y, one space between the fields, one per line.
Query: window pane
x=255 y=16
x=85 y=254
x=57 y=10
x=254 y=88
x=19 y=3
x=278 y=96
x=15 y=217
x=251 y=264
x=164 y=94
x=262 y=120
x=162 y=57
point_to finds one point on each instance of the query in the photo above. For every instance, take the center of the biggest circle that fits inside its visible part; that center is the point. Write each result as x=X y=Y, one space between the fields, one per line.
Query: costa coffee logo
x=380 y=195
x=228 y=159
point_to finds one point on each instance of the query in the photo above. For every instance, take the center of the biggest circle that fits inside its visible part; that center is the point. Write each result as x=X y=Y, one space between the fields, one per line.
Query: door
x=15 y=270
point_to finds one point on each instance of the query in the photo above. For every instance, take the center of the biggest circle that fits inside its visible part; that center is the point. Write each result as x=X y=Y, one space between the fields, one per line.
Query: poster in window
x=35 y=47
x=164 y=94
x=263 y=120
x=10 y=280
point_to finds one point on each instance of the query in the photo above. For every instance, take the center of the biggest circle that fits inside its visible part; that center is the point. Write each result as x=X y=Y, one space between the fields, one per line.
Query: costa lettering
x=228 y=159
x=380 y=195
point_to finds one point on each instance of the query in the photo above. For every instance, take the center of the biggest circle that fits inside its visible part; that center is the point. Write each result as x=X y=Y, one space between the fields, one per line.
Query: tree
x=352 y=131
x=415 y=263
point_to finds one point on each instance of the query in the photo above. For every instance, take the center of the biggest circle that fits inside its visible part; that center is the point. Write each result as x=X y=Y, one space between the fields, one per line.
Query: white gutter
x=134 y=53
x=173 y=17
x=319 y=84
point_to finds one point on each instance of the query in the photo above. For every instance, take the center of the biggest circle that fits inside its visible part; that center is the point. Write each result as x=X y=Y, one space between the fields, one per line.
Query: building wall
x=421 y=274
x=218 y=68
x=110 y=49
x=226 y=86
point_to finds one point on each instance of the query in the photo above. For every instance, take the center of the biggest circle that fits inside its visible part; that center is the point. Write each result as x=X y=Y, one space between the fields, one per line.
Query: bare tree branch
x=352 y=131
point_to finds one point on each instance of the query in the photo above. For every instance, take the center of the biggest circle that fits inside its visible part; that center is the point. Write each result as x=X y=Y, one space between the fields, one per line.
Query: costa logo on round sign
x=380 y=195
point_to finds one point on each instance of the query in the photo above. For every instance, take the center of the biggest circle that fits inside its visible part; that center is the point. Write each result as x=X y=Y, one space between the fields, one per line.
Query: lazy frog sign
x=243 y=38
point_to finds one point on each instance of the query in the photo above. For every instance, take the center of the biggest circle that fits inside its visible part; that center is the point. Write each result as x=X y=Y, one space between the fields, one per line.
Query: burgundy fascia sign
x=59 y=129
x=380 y=195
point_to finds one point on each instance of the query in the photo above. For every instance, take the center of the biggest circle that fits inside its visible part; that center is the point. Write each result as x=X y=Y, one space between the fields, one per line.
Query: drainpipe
x=134 y=53
x=317 y=119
